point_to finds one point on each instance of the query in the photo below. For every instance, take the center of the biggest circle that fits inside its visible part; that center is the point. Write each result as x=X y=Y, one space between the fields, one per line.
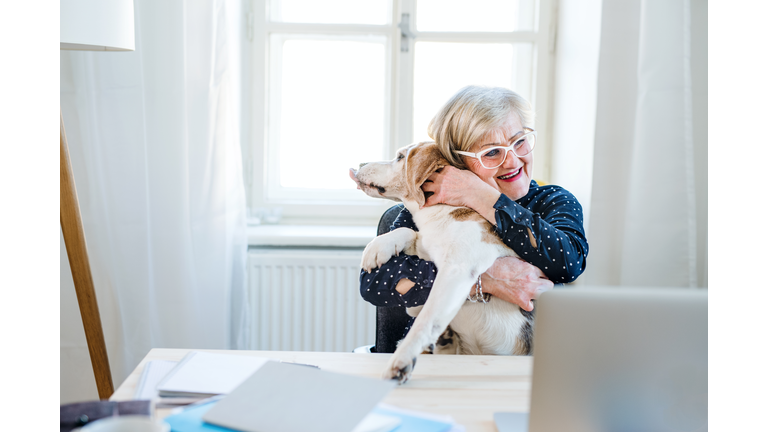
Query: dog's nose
x=363 y=164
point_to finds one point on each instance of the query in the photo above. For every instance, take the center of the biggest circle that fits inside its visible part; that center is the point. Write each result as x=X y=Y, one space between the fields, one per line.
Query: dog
x=463 y=245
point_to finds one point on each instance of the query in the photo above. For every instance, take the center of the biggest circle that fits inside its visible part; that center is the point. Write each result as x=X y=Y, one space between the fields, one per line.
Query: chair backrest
x=390 y=321
x=77 y=252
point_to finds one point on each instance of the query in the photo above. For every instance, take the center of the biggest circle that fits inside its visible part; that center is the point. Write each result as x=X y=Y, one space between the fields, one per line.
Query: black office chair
x=390 y=321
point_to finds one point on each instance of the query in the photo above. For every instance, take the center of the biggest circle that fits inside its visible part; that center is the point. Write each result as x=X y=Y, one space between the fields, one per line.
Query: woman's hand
x=516 y=281
x=461 y=188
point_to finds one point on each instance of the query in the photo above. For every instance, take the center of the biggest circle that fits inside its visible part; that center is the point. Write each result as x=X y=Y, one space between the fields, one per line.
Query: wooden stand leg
x=74 y=238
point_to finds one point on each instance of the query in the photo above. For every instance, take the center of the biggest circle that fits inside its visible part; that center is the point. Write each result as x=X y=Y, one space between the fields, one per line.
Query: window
x=341 y=82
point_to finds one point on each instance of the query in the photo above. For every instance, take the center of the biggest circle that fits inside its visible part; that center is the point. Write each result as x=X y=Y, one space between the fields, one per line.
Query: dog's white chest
x=441 y=236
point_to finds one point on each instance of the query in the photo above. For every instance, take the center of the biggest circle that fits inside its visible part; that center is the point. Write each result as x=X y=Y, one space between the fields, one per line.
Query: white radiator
x=308 y=300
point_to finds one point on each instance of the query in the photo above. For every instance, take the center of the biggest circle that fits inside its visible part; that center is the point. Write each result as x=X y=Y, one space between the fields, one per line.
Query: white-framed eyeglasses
x=493 y=157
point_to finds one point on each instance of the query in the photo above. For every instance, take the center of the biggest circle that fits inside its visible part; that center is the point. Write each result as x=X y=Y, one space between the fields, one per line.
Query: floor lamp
x=88 y=25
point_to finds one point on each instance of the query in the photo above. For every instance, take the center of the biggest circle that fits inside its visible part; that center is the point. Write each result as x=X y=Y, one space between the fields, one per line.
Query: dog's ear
x=423 y=160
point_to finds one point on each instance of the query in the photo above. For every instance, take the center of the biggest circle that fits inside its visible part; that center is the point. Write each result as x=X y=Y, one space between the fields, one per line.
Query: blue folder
x=191 y=420
x=414 y=424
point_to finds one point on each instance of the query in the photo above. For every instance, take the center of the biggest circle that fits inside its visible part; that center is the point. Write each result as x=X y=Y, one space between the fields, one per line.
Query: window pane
x=374 y=12
x=331 y=95
x=475 y=15
x=441 y=69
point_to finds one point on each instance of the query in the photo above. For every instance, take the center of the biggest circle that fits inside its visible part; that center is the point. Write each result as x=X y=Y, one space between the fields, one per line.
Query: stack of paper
x=197 y=376
x=204 y=374
x=154 y=371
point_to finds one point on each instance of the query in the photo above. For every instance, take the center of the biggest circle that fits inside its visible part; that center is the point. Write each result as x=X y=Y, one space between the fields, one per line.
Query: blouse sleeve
x=555 y=219
x=378 y=286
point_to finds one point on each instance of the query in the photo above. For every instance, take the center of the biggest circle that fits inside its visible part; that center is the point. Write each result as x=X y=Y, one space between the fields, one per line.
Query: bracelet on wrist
x=478 y=295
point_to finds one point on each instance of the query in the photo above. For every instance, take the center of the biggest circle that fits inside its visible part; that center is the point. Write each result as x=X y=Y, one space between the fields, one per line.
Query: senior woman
x=486 y=134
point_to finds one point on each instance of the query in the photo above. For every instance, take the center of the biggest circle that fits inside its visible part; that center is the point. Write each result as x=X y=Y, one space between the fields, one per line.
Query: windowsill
x=310 y=235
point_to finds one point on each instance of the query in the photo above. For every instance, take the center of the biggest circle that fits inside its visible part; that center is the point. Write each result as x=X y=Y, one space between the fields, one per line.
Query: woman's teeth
x=510 y=175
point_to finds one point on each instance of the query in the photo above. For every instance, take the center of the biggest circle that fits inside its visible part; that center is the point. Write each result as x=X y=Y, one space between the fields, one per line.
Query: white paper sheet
x=204 y=373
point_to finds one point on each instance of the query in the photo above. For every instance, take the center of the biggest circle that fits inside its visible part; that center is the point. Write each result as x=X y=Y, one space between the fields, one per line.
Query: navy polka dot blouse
x=551 y=213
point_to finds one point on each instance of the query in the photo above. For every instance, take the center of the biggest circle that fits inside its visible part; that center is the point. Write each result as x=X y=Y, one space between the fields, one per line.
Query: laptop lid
x=618 y=359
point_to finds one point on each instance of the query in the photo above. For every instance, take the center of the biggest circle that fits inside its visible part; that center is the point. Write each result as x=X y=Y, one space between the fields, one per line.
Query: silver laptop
x=617 y=359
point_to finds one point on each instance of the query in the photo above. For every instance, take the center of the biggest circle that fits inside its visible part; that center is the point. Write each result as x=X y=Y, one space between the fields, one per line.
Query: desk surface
x=468 y=388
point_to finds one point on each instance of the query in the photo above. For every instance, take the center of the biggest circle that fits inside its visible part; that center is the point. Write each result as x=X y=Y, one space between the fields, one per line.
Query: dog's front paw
x=378 y=252
x=399 y=369
x=384 y=247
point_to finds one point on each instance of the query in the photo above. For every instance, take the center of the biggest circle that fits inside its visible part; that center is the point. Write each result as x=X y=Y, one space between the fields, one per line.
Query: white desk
x=468 y=388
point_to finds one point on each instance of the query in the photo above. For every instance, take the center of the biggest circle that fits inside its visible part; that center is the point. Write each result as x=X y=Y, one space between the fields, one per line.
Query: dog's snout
x=363 y=164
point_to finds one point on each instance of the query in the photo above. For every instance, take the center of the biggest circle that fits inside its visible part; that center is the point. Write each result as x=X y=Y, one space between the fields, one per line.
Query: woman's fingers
x=544 y=285
x=524 y=301
x=451 y=186
x=431 y=188
x=429 y=201
x=508 y=290
x=517 y=281
x=526 y=304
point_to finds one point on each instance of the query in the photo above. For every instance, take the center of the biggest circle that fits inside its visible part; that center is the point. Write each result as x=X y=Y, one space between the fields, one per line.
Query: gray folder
x=293 y=398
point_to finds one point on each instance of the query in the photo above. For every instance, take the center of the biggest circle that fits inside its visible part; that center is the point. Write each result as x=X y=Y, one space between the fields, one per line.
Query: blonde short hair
x=473 y=112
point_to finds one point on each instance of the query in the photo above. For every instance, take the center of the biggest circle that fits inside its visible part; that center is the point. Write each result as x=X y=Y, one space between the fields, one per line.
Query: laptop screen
x=618 y=359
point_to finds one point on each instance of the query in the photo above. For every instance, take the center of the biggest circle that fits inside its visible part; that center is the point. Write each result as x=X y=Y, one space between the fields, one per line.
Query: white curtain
x=648 y=223
x=154 y=141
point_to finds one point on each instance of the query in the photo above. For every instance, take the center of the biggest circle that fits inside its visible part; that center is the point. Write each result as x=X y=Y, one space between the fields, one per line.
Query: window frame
x=400 y=77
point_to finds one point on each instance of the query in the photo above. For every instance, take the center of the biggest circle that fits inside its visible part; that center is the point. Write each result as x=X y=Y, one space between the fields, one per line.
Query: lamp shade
x=97 y=25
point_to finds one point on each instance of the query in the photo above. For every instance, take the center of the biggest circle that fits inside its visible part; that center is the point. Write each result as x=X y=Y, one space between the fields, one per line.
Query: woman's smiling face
x=513 y=177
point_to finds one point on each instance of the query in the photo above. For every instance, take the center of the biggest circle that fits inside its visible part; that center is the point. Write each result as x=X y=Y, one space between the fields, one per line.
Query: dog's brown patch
x=489 y=234
x=422 y=160
x=489 y=231
x=464 y=214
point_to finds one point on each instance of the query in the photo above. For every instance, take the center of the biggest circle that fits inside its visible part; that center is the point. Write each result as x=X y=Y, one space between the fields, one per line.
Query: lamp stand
x=74 y=239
